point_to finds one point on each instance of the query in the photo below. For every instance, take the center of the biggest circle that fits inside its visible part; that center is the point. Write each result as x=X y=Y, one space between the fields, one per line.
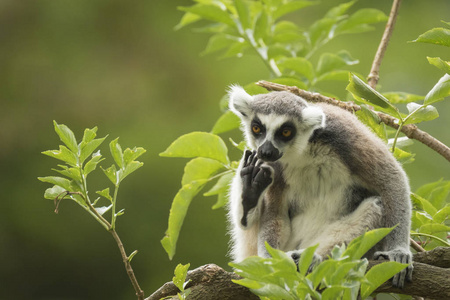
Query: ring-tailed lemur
x=315 y=175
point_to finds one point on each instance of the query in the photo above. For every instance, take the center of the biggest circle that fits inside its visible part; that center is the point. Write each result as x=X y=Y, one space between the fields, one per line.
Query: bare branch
x=373 y=77
x=410 y=130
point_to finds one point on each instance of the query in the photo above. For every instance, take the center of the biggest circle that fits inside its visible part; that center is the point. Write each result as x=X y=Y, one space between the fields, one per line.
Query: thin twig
x=373 y=77
x=410 y=130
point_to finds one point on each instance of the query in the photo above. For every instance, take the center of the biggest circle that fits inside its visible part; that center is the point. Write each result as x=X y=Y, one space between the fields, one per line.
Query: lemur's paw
x=402 y=256
x=256 y=177
x=295 y=255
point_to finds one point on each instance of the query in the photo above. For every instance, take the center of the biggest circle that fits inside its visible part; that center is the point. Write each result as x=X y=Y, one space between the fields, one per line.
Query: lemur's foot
x=402 y=256
x=295 y=255
x=256 y=177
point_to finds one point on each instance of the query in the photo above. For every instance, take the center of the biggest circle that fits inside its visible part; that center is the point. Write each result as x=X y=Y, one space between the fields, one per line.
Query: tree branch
x=373 y=77
x=212 y=282
x=410 y=130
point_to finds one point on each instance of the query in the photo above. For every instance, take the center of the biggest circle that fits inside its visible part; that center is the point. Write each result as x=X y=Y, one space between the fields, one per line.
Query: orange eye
x=256 y=129
x=286 y=132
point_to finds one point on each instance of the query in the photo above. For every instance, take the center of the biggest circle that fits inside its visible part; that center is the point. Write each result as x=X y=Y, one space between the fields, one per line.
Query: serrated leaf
x=227 y=122
x=53 y=192
x=180 y=276
x=188 y=18
x=439 y=91
x=379 y=274
x=130 y=155
x=372 y=120
x=420 y=113
x=291 y=6
x=91 y=165
x=401 y=97
x=424 y=204
x=198 y=144
x=300 y=65
x=89 y=134
x=243 y=13
x=63 y=154
x=440 y=64
x=72 y=173
x=437 y=36
x=364 y=93
x=210 y=12
x=177 y=214
x=105 y=193
x=200 y=168
x=111 y=173
x=66 y=136
x=358 y=21
x=359 y=246
x=88 y=147
x=62 y=182
x=116 y=152
x=330 y=61
x=128 y=169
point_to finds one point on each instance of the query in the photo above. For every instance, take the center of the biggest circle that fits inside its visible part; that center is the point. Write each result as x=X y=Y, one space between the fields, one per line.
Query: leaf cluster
x=342 y=276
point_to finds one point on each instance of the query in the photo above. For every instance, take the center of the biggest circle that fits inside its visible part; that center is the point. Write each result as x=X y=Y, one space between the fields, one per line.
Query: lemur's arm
x=249 y=186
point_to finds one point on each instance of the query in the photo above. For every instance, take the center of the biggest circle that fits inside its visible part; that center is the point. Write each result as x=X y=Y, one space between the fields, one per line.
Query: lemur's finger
x=246 y=156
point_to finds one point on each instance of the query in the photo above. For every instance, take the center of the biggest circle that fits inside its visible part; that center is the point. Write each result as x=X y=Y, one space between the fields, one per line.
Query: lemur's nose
x=268 y=152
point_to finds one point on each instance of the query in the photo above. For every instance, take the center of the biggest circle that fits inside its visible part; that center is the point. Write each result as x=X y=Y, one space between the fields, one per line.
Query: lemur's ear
x=239 y=101
x=314 y=117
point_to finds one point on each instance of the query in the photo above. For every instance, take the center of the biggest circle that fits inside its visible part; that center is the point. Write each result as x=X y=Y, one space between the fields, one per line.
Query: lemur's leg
x=367 y=216
x=256 y=178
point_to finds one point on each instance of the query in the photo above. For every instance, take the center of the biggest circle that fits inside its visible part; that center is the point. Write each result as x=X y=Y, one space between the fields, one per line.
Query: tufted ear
x=314 y=117
x=239 y=101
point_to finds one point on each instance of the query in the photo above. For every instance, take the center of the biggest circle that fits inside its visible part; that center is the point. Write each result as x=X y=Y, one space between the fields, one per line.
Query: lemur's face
x=272 y=135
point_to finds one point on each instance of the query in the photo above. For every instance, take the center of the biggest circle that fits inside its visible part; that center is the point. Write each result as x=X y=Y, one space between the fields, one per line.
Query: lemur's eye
x=256 y=129
x=286 y=132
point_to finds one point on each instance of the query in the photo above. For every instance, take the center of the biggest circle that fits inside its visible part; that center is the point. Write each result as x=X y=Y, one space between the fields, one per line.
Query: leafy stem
x=431 y=237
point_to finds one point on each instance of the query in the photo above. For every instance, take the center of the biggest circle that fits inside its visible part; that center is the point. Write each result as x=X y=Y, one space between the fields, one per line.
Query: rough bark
x=431 y=279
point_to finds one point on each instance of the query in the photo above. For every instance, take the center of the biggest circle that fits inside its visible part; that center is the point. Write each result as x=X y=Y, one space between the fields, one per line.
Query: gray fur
x=335 y=179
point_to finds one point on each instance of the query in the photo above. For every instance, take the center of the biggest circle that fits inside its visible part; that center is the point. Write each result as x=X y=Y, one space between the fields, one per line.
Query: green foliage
x=180 y=280
x=430 y=220
x=341 y=276
x=78 y=166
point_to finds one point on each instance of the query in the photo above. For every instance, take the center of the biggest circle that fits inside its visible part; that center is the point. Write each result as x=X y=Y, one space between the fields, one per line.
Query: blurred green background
x=119 y=65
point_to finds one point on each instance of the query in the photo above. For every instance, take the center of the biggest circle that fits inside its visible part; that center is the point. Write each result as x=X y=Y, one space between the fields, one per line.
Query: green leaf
x=111 y=173
x=128 y=169
x=334 y=292
x=105 y=193
x=434 y=228
x=436 y=192
x=103 y=209
x=72 y=173
x=63 y=154
x=440 y=64
x=222 y=185
x=403 y=157
x=89 y=134
x=442 y=215
x=200 y=168
x=300 y=65
x=330 y=61
x=439 y=91
x=198 y=144
x=210 y=12
x=401 y=97
x=53 y=192
x=220 y=41
x=339 y=10
x=364 y=93
x=88 y=147
x=323 y=270
x=60 y=181
x=420 y=113
x=222 y=200
x=290 y=81
x=320 y=30
x=286 y=32
x=129 y=155
x=338 y=75
x=291 y=6
x=359 y=246
x=243 y=13
x=66 y=136
x=437 y=36
x=424 y=204
x=261 y=26
x=91 y=165
x=372 y=120
x=379 y=274
x=180 y=276
x=188 y=18
x=177 y=214
x=306 y=259
x=116 y=152
x=227 y=122
x=358 y=21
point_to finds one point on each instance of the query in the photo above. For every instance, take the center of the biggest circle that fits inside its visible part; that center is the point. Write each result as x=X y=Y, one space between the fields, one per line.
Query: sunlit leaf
x=91 y=165
x=63 y=154
x=101 y=210
x=89 y=134
x=180 y=276
x=86 y=148
x=53 y=192
x=439 y=91
x=198 y=144
x=442 y=215
x=358 y=21
x=210 y=12
x=111 y=173
x=105 y=193
x=200 y=168
x=72 y=173
x=359 y=246
x=130 y=155
x=261 y=25
x=243 y=13
x=188 y=18
x=222 y=185
x=372 y=120
x=434 y=228
x=116 y=152
x=402 y=97
x=379 y=274
x=339 y=10
x=218 y=42
x=437 y=36
x=66 y=136
x=292 y=6
x=227 y=122
x=60 y=181
x=403 y=157
x=300 y=65
x=435 y=192
x=128 y=169
x=330 y=62
x=420 y=113
x=440 y=63
x=338 y=75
